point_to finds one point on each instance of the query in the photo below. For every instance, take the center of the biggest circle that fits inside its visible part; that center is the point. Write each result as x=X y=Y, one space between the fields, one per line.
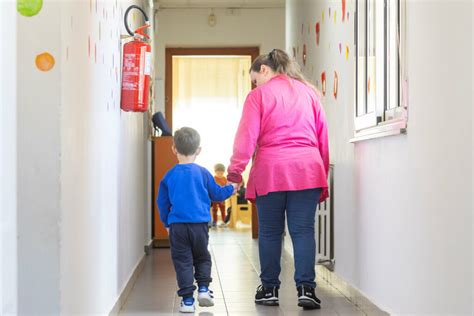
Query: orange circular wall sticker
x=44 y=61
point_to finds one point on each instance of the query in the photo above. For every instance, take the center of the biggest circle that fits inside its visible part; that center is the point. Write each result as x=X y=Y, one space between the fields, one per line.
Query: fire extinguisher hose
x=125 y=19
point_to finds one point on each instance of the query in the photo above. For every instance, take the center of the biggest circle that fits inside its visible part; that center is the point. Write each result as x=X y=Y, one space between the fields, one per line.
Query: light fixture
x=212 y=19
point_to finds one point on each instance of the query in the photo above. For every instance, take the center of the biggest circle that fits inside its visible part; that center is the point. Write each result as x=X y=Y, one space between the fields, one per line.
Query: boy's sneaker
x=205 y=296
x=187 y=305
x=214 y=223
x=266 y=296
x=307 y=298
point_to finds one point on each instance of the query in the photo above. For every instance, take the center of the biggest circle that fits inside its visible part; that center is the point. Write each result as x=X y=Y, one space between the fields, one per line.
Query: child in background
x=184 y=199
x=219 y=170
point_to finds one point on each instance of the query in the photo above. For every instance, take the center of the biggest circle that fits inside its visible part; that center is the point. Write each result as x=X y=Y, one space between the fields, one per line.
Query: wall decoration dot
x=343 y=4
x=317 y=33
x=304 y=54
x=340 y=48
x=347 y=16
x=322 y=15
x=335 y=16
x=323 y=83
x=336 y=83
x=347 y=52
x=294 y=52
x=44 y=61
x=29 y=7
x=329 y=15
x=302 y=28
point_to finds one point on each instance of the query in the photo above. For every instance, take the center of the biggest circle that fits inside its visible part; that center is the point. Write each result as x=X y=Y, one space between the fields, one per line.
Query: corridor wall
x=472 y=151
x=83 y=173
x=403 y=206
x=8 y=164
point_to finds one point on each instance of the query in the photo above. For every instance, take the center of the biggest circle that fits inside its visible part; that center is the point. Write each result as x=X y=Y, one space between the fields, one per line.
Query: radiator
x=325 y=227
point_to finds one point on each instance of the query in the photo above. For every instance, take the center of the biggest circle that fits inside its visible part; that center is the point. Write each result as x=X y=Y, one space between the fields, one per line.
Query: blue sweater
x=186 y=193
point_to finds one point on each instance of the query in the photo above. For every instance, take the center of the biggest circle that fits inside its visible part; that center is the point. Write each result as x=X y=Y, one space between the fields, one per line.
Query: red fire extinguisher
x=136 y=68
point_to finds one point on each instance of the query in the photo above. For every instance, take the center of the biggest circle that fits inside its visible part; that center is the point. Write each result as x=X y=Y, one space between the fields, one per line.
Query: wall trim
x=351 y=293
x=128 y=287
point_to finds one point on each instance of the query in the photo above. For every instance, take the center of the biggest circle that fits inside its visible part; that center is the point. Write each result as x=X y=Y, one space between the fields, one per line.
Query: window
x=379 y=110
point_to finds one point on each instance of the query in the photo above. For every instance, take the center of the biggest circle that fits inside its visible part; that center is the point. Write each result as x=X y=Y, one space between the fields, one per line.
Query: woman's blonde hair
x=281 y=63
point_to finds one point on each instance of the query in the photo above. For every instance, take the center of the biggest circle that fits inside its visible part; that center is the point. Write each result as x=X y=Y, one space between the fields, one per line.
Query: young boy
x=184 y=200
x=219 y=170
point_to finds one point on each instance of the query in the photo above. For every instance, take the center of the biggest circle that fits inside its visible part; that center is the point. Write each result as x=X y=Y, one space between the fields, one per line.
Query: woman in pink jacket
x=284 y=128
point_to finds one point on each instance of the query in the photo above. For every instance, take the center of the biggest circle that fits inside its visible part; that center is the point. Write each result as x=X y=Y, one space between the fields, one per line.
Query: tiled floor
x=235 y=276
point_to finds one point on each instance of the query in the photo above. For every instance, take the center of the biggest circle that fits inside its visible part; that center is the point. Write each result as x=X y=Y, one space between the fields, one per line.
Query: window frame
x=387 y=119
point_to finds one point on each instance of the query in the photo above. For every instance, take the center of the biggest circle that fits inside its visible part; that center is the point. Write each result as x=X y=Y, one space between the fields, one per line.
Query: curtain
x=208 y=95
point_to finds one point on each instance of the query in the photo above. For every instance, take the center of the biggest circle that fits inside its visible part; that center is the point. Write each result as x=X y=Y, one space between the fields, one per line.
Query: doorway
x=205 y=88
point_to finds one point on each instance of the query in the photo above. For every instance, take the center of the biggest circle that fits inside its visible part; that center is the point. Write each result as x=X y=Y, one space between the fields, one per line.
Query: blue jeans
x=300 y=207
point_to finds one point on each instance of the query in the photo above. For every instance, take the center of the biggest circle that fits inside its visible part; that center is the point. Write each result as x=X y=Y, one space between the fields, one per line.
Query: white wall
x=8 y=200
x=83 y=176
x=402 y=204
x=262 y=28
x=104 y=174
x=38 y=144
x=472 y=150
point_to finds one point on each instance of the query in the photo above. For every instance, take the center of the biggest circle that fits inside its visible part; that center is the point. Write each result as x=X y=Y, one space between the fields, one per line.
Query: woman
x=284 y=125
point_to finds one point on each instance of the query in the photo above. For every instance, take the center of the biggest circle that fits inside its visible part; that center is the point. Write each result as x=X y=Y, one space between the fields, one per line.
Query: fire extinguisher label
x=147 y=69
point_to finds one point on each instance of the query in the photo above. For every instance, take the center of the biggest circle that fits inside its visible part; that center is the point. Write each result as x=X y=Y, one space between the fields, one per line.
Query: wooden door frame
x=170 y=52
x=254 y=52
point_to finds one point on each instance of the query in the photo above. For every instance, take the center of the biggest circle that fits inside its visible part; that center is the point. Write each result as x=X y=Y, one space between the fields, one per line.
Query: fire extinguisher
x=136 y=67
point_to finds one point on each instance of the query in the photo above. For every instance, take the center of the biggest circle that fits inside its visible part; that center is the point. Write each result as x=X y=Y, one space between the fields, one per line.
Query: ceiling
x=220 y=3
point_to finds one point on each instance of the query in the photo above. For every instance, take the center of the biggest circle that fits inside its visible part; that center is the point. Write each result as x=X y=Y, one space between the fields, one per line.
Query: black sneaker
x=266 y=296
x=307 y=299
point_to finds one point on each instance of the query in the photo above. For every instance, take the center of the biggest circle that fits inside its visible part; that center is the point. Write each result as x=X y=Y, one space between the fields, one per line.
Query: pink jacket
x=284 y=125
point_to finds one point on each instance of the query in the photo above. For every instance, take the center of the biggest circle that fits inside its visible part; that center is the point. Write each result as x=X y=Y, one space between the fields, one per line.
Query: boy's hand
x=167 y=230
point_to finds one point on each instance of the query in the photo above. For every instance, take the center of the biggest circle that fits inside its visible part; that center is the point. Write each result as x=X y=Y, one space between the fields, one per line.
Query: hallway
x=78 y=171
x=235 y=276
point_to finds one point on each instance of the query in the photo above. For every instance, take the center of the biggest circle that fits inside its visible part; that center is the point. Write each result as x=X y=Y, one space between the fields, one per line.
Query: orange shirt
x=220 y=181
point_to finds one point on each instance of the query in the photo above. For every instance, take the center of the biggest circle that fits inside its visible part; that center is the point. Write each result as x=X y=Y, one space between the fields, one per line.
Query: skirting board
x=351 y=293
x=128 y=288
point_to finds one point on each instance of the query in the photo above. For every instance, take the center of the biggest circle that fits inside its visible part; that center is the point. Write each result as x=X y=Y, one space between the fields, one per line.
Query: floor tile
x=235 y=274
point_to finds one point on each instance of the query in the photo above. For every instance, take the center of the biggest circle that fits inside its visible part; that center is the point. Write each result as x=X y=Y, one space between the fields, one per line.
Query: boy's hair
x=219 y=167
x=186 y=140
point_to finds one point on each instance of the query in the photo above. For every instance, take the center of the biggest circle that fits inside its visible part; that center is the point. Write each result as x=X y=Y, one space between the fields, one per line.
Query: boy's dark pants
x=189 y=249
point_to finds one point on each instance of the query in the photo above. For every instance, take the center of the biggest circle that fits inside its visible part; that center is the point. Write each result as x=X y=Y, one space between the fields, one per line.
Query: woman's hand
x=236 y=186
